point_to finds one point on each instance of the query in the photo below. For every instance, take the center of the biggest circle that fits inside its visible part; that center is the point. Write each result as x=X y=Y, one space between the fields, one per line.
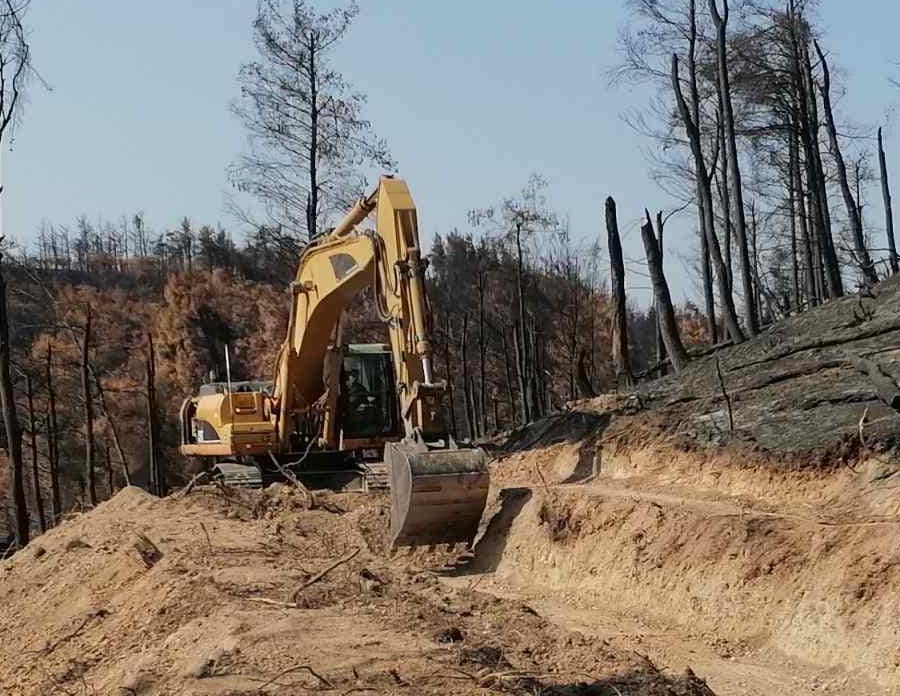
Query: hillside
x=774 y=544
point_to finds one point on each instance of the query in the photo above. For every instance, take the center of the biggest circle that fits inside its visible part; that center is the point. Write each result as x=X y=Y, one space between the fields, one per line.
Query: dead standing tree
x=157 y=480
x=35 y=470
x=731 y=156
x=52 y=439
x=11 y=424
x=307 y=136
x=619 y=329
x=729 y=314
x=888 y=209
x=14 y=65
x=863 y=260
x=668 y=326
x=88 y=396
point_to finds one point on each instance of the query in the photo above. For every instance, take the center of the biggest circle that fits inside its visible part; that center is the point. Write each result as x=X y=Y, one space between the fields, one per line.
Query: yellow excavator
x=350 y=416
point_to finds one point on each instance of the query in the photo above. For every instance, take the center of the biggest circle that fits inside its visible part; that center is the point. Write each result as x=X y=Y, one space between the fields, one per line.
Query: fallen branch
x=321 y=574
x=818 y=345
x=190 y=485
x=274 y=602
x=540 y=474
x=292 y=478
x=98 y=613
x=298 y=668
x=206 y=533
x=725 y=394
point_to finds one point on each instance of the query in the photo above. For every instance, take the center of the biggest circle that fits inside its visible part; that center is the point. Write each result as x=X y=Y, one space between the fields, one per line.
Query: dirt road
x=761 y=582
x=734 y=668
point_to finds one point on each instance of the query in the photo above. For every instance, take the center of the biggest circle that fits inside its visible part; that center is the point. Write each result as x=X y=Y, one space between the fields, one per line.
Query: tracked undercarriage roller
x=437 y=495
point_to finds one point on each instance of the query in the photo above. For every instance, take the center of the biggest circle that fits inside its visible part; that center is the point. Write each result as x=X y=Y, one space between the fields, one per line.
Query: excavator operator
x=356 y=398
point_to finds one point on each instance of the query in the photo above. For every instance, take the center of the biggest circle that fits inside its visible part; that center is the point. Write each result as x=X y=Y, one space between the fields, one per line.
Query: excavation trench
x=762 y=582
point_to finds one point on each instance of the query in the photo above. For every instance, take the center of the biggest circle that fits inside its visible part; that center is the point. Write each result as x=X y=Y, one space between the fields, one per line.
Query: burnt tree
x=157 y=477
x=863 y=260
x=888 y=209
x=720 y=20
x=88 y=396
x=52 y=439
x=619 y=310
x=11 y=424
x=666 y=314
x=35 y=470
x=729 y=314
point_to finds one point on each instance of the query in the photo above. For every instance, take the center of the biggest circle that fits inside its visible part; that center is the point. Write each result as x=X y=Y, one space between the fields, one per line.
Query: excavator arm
x=331 y=272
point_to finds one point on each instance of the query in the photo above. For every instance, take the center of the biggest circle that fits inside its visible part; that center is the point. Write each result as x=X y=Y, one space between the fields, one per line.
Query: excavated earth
x=229 y=592
x=742 y=517
x=734 y=529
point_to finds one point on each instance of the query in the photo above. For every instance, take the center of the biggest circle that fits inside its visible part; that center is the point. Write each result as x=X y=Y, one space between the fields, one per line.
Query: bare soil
x=660 y=555
x=222 y=592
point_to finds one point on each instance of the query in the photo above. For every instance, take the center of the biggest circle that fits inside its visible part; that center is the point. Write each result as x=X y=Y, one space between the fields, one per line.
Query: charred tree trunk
x=725 y=298
x=660 y=341
x=866 y=267
x=87 y=394
x=792 y=211
x=700 y=183
x=807 y=132
x=312 y=155
x=539 y=395
x=157 y=476
x=833 y=281
x=476 y=411
x=620 y=358
x=11 y=424
x=52 y=440
x=522 y=365
x=467 y=393
x=113 y=428
x=888 y=208
x=721 y=173
x=709 y=299
x=666 y=318
x=35 y=470
x=510 y=390
x=734 y=169
x=754 y=262
x=110 y=483
x=585 y=388
x=522 y=377
x=449 y=372
x=482 y=352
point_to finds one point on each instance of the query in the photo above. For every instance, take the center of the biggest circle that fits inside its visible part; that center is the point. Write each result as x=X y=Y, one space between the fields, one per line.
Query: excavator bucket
x=437 y=495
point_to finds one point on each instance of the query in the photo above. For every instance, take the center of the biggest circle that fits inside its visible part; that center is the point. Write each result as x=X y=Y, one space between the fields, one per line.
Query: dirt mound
x=250 y=592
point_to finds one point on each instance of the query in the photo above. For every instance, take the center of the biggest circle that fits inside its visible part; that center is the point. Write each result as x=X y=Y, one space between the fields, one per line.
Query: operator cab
x=368 y=401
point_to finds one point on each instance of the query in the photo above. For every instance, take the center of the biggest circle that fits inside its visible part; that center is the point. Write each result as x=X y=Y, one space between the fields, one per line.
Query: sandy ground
x=249 y=592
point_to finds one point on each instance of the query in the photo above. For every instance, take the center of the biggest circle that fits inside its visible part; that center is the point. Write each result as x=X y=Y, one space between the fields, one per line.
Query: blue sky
x=472 y=97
